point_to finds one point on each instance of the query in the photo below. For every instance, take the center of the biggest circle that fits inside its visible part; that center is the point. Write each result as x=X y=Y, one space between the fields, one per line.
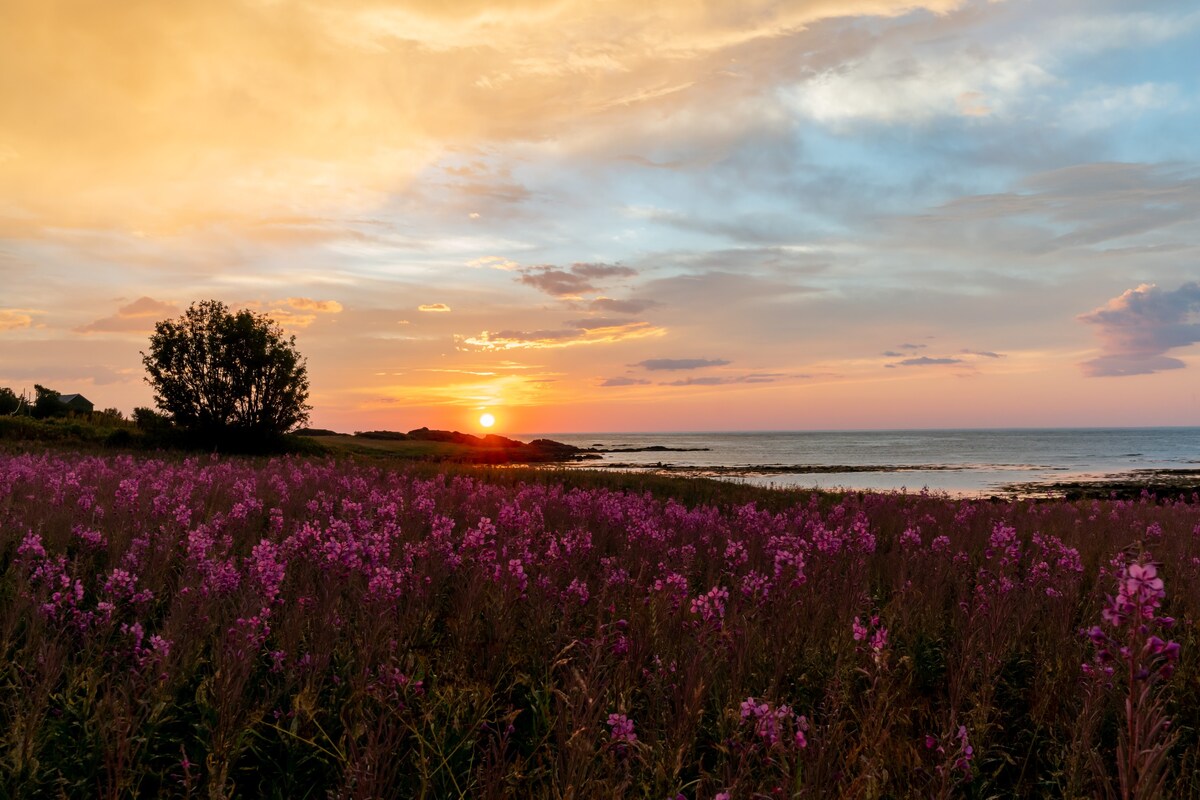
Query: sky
x=618 y=215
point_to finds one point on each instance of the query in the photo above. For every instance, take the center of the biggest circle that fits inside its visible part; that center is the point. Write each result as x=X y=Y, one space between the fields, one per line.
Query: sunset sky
x=618 y=215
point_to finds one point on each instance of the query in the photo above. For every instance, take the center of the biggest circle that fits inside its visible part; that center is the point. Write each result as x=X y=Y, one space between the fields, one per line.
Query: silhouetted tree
x=108 y=416
x=148 y=419
x=47 y=403
x=9 y=401
x=227 y=378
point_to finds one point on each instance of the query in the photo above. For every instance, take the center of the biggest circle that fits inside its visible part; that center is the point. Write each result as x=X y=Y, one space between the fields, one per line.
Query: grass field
x=345 y=444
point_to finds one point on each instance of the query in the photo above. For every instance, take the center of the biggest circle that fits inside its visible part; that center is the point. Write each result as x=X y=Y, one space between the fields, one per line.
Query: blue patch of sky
x=1165 y=131
x=899 y=169
x=1162 y=61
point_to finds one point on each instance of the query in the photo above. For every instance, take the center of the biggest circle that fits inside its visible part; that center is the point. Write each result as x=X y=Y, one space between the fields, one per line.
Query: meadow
x=298 y=627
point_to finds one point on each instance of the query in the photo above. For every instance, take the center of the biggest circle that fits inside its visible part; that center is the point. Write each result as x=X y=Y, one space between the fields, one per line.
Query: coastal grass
x=204 y=626
x=345 y=444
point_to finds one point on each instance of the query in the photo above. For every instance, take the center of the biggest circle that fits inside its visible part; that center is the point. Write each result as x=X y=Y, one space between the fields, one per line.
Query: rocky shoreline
x=782 y=469
x=1119 y=485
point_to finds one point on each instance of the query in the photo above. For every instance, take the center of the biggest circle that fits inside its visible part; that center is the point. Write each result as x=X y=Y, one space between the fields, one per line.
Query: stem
x=1131 y=732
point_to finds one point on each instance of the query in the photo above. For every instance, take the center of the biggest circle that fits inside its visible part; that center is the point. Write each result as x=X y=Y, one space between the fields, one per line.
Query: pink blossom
x=711 y=605
x=621 y=729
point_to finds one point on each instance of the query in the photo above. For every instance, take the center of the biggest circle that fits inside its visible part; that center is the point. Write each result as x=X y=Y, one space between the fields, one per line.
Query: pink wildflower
x=711 y=606
x=621 y=729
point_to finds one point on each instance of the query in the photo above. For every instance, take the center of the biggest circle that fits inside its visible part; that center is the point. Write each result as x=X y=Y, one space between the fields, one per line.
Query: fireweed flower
x=955 y=753
x=614 y=574
x=267 y=568
x=877 y=635
x=790 y=562
x=620 y=732
x=775 y=725
x=578 y=589
x=755 y=586
x=1145 y=655
x=91 y=539
x=910 y=539
x=31 y=548
x=965 y=751
x=1144 y=658
x=735 y=553
x=711 y=606
x=516 y=571
x=675 y=586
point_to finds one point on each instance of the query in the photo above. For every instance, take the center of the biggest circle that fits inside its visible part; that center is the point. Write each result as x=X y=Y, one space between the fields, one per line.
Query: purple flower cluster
x=875 y=637
x=621 y=729
x=1130 y=619
x=710 y=606
x=775 y=724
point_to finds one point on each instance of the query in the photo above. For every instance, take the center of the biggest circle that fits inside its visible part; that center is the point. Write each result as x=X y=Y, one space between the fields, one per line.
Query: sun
x=487 y=420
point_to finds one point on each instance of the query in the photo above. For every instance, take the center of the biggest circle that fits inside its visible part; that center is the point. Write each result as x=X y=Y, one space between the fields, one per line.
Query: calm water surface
x=978 y=461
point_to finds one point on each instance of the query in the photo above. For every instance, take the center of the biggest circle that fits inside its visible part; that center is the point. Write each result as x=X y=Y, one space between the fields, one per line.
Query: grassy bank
x=100 y=433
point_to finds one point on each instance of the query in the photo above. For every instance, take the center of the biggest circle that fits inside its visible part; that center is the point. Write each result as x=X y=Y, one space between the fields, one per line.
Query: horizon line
x=959 y=429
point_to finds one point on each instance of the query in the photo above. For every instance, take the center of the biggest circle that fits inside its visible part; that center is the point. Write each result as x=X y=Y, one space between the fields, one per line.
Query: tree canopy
x=227 y=378
x=48 y=402
x=9 y=400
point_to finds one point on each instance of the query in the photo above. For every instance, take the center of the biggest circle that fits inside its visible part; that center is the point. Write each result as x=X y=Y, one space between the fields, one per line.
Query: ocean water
x=966 y=462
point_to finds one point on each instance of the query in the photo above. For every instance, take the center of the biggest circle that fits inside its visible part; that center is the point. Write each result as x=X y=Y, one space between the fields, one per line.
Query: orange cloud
x=494 y=262
x=296 y=312
x=290 y=319
x=137 y=317
x=499 y=390
x=434 y=307
x=12 y=319
x=319 y=306
x=549 y=339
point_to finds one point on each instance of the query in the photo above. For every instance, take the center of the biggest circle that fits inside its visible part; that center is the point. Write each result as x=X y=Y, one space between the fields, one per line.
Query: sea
x=957 y=462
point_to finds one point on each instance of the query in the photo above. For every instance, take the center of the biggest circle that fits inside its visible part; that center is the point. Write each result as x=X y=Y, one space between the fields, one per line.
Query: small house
x=77 y=403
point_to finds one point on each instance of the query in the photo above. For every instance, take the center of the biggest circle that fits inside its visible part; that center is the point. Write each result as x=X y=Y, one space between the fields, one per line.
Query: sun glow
x=487 y=420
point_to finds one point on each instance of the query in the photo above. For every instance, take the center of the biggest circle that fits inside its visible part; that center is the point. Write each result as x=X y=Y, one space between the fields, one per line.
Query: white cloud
x=1110 y=105
x=885 y=87
x=1093 y=33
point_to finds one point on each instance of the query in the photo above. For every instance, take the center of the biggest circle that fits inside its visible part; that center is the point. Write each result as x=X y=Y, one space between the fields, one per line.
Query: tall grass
x=295 y=628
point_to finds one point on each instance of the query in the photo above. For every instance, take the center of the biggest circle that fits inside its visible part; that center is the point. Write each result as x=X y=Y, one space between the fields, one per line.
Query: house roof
x=69 y=398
